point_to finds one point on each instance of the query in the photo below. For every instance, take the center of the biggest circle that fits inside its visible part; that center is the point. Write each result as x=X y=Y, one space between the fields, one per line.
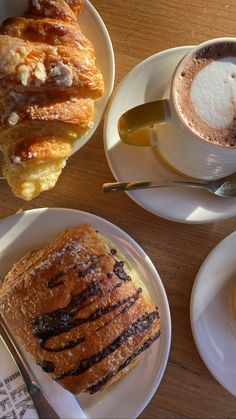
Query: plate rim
x=220 y=244
x=157 y=279
x=208 y=218
x=108 y=93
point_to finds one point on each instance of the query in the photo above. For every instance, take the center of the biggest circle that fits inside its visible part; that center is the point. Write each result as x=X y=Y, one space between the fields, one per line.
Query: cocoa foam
x=205 y=93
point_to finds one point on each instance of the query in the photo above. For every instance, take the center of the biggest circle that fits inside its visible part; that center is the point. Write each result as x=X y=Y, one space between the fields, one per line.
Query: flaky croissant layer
x=48 y=85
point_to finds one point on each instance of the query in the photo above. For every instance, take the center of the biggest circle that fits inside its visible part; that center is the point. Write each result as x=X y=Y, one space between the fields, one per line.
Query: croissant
x=48 y=84
x=80 y=309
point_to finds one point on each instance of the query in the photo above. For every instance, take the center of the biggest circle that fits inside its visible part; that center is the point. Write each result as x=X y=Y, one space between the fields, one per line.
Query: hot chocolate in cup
x=195 y=127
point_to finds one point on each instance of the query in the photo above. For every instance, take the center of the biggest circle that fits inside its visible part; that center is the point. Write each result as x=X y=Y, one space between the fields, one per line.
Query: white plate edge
x=196 y=281
x=108 y=40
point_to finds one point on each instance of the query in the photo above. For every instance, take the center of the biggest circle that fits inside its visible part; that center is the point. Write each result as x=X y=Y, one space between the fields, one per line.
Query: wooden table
x=139 y=29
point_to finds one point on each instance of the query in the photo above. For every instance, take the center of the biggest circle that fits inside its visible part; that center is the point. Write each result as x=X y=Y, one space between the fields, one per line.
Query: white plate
x=127 y=398
x=147 y=82
x=212 y=319
x=95 y=30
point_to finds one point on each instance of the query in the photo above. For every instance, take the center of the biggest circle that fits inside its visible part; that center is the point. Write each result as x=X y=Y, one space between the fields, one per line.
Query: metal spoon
x=225 y=187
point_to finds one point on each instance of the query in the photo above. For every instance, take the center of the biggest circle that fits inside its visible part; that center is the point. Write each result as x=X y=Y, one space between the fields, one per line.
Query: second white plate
x=212 y=319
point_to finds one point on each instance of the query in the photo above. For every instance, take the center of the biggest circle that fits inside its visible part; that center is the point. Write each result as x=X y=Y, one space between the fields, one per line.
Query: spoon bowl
x=224 y=187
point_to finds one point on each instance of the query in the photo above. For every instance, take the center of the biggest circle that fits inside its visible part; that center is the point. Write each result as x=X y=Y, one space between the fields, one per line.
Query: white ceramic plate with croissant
x=128 y=397
x=51 y=91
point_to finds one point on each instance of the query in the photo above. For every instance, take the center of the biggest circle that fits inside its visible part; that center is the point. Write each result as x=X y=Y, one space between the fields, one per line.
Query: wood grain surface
x=139 y=29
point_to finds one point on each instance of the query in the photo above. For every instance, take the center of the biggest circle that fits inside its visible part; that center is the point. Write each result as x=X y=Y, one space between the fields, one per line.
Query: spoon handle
x=129 y=186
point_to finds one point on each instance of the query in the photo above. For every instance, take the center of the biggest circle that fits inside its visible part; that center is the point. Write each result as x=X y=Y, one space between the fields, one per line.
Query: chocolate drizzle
x=139 y=326
x=130 y=300
x=56 y=280
x=63 y=320
x=53 y=324
x=84 y=268
x=78 y=299
x=46 y=366
x=88 y=267
x=85 y=272
x=120 y=272
x=68 y=345
x=98 y=386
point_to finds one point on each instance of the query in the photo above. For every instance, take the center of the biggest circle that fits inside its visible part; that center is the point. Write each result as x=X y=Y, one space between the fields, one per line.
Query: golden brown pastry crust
x=40 y=68
x=48 y=84
x=75 y=308
x=45 y=30
x=66 y=10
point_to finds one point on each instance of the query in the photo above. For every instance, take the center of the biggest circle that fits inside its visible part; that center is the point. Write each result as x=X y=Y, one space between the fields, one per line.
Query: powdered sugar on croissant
x=48 y=84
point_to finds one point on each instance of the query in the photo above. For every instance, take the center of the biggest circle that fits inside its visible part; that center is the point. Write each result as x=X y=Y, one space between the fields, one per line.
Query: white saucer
x=95 y=30
x=212 y=318
x=147 y=82
x=127 y=398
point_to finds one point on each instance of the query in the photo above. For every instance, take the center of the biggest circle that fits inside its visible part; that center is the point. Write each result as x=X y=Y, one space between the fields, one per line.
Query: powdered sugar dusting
x=13 y=118
x=36 y=4
x=24 y=72
x=62 y=74
x=40 y=72
x=31 y=154
x=70 y=249
x=16 y=159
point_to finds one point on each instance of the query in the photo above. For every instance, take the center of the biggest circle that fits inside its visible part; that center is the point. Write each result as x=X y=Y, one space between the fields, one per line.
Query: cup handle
x=136 y=126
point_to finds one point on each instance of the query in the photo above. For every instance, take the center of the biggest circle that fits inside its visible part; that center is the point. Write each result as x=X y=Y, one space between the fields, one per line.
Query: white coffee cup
x=160 y=124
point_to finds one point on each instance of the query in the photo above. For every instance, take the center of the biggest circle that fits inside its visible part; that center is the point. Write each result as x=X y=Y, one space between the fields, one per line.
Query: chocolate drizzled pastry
x=80 y=310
